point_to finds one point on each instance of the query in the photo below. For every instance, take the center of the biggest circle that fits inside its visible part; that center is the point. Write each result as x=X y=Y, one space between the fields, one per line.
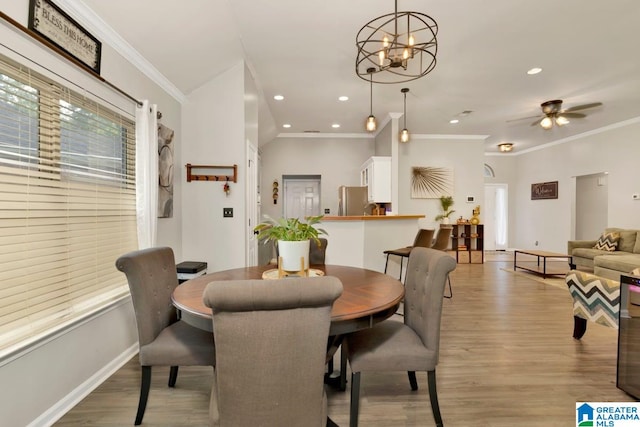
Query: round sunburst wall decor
x=429 y=182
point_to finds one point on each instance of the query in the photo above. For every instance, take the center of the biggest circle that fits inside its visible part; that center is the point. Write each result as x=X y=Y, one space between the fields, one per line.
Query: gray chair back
x=317 y=251
x=152 y=277
x=442 y=238
x=427 y=275
x=271 y=339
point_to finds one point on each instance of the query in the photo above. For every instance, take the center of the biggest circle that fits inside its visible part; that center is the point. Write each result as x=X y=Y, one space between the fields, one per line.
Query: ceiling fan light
x=561 y=121
x=371 y=124
x=546 y=123
x=505 y=147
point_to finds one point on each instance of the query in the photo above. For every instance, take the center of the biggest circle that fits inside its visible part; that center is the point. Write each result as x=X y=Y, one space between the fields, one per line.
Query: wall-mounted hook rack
x=196 y=173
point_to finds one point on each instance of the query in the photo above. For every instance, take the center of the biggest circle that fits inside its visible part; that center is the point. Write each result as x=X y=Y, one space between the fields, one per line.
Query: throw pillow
x=608 y=242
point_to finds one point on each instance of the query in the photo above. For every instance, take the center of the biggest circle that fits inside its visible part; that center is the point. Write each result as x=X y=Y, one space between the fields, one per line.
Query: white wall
x=337 y=160
x=43 y=381
x=464 y=156
x=214 y=126
x=550 y=222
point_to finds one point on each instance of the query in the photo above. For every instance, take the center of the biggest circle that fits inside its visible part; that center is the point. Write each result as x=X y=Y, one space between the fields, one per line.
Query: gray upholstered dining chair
x=423 y=239
x=164 y=340
x=271 y=344
x=318 y=251
x=410 y=345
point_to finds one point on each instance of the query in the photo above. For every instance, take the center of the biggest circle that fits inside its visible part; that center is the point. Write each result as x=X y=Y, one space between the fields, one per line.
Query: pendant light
x=404 y=134
x=371 y=120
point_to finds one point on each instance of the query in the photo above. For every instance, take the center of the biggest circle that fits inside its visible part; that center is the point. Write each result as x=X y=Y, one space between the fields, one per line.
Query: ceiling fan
x=554 y=114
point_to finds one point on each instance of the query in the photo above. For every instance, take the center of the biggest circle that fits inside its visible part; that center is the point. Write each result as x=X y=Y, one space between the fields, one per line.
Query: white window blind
x=67 y=204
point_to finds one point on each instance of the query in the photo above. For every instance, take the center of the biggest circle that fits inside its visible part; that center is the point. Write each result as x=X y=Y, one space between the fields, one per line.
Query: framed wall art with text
x=544 y=190
x=49 y=21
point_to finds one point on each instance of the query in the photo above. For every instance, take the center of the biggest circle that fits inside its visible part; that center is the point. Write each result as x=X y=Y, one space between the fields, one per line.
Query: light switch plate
x=227 y=212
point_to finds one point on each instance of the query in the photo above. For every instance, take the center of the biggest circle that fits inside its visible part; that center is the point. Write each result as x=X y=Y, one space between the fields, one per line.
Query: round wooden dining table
x=368 y=296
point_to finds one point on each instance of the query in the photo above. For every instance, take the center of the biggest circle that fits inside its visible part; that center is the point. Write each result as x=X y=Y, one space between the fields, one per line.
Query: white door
x=253 y=199
x=301 y=197
x=495 y=217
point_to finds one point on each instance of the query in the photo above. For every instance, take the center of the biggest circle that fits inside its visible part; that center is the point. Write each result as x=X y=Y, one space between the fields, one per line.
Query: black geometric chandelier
x=400 y=46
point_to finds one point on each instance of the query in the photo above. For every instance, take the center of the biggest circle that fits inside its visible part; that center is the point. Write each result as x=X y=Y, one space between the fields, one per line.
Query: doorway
x=496 y=217
x=591 y=207
x=301 y=195
x=253 y=208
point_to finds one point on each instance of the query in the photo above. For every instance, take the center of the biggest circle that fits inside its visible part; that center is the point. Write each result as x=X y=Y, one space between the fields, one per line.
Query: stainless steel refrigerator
x=352 y=200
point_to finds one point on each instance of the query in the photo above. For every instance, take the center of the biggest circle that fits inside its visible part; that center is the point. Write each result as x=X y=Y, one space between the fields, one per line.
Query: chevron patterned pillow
x=608 y=242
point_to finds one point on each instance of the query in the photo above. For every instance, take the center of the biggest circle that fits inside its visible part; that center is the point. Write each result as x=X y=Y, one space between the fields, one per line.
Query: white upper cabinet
x=375 y=173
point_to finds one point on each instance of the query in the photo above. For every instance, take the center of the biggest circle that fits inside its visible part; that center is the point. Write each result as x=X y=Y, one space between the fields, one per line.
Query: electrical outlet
x=227 y=212
x=536 y=243
x=327 y=211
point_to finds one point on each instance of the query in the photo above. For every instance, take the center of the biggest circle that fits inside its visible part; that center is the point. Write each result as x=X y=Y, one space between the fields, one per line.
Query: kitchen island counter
x=360 y=241
x=369 y=217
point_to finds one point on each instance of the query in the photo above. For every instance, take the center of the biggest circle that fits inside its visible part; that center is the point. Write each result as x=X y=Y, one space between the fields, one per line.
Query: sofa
x=603 y=263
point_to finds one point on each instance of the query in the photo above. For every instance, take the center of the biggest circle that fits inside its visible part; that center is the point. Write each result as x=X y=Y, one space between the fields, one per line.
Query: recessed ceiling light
x=533 y=71
x=335 y=125
x=278 y=97
x=286 y=125
x=454 y=121
x=343 y=98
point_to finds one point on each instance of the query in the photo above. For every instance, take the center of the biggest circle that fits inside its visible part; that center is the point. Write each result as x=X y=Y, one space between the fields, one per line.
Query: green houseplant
x=292 y=237
x=445 y=204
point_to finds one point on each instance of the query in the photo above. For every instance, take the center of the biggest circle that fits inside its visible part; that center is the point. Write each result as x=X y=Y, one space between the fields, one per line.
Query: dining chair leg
x=144 y=393
x=355 y=399
x=450 y=290
x=343 y=368
x=385 y=264
x=412 y=380
x=173 y=376
x=401 y=260
x=433 y=396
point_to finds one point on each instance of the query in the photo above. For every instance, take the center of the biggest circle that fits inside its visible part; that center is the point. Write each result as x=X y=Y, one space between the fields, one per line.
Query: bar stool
x=441 y=244
x=423 y=239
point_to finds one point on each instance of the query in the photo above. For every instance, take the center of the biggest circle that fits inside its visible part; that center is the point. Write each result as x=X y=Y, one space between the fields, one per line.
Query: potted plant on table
x=445 y=203
x=292 y=237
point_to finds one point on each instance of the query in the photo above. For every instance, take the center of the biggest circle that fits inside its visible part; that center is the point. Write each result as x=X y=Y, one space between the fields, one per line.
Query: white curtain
x=501 y=218
x=147 y=173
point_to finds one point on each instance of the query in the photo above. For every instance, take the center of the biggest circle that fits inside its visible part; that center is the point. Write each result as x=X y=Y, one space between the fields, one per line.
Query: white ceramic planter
x=291 y=252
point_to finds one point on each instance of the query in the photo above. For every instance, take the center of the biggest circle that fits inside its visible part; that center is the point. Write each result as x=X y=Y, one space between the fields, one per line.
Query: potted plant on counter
x=292 y=237
x=445 y=204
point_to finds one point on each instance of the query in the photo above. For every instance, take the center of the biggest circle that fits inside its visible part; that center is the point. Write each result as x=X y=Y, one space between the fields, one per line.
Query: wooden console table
x=537 y=268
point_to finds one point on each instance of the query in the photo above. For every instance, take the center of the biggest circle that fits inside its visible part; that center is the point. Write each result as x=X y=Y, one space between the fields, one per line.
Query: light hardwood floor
x=507 y=359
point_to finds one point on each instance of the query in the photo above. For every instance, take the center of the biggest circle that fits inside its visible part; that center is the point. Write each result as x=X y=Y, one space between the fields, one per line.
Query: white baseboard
x=53 y=414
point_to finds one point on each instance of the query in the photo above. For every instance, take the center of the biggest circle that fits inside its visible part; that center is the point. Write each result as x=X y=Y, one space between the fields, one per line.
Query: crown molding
x=87 y=17
x=574 y=137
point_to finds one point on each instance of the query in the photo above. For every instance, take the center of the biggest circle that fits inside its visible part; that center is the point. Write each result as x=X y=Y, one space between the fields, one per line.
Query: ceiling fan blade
x=537 y=122
x=573 y=115
x=523 y=118
x=583 y=107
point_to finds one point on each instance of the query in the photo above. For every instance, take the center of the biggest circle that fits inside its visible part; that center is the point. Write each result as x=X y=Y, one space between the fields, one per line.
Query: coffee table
x=537 y=268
